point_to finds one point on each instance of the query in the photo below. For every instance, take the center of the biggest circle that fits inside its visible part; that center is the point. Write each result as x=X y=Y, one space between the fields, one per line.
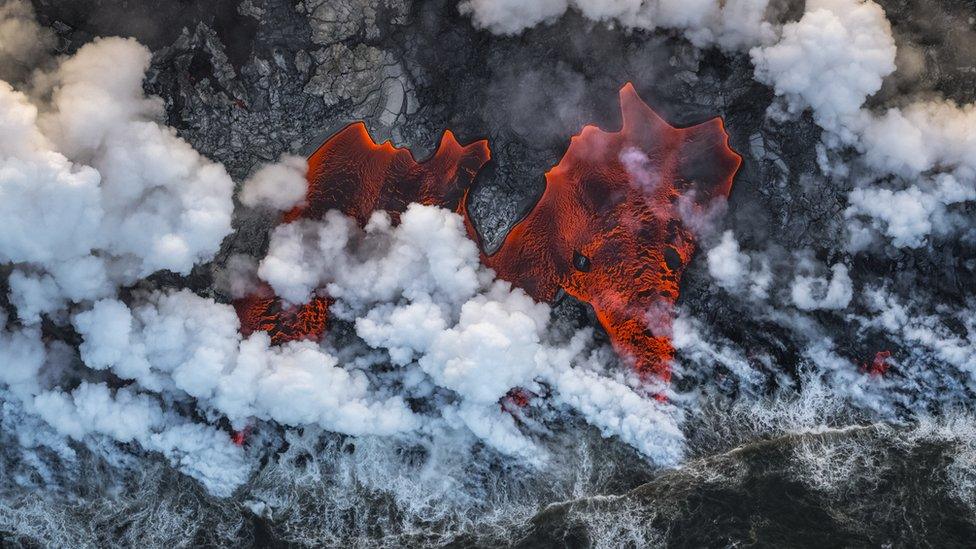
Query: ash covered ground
x=825 y=333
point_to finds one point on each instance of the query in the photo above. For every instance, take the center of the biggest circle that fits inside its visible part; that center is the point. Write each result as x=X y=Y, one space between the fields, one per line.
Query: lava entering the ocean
x=612 y=228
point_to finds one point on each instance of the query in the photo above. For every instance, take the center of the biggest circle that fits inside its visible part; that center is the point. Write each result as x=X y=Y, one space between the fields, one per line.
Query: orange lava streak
x=353 y=174
x=611 y=227
x=240 y=437
x=879 y=366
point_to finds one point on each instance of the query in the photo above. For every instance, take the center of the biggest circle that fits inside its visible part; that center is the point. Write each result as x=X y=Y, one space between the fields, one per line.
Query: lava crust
x=265 y=312
x=614 y=225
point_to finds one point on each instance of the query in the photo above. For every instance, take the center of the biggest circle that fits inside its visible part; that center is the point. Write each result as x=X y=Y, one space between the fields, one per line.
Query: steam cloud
x=279 y=186
x=99 y=194
x=22 y=41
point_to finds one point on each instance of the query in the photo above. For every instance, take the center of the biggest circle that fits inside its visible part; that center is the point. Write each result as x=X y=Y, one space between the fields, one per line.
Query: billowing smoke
x=97 y=195
x=830 y=61
x=733 y=24
x=280 y=186
x=733 y=270
x=458 y=340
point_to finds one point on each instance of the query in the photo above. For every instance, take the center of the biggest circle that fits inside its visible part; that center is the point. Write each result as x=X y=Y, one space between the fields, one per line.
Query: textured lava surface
x=614 y=225
x=264 y=312
x=353 y=174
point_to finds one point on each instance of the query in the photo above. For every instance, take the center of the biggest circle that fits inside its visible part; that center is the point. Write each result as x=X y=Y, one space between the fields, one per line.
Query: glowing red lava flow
x=612 y=227
x=353 y=174
x=265 y=312
x=240 y=437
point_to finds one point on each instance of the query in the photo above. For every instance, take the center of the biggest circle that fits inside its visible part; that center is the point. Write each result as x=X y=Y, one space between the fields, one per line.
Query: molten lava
x=264 y=312
x=878 y=366
x=240 y=437
x=353 y=174
x=613 y=226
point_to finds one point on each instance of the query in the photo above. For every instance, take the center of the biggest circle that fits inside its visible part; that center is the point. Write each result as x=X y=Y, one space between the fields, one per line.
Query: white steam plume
x=815 y=292
x=457 y=338
x=418 y=291
x=831 y=61
x=731 y=24
x=279 y=186
x=98 y=194
x=180 y=343
x=908 y=216
x=23 y=42
x=731 y=268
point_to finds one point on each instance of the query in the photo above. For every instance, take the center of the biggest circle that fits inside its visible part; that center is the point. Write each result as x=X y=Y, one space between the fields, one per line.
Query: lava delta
x=613 y=227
